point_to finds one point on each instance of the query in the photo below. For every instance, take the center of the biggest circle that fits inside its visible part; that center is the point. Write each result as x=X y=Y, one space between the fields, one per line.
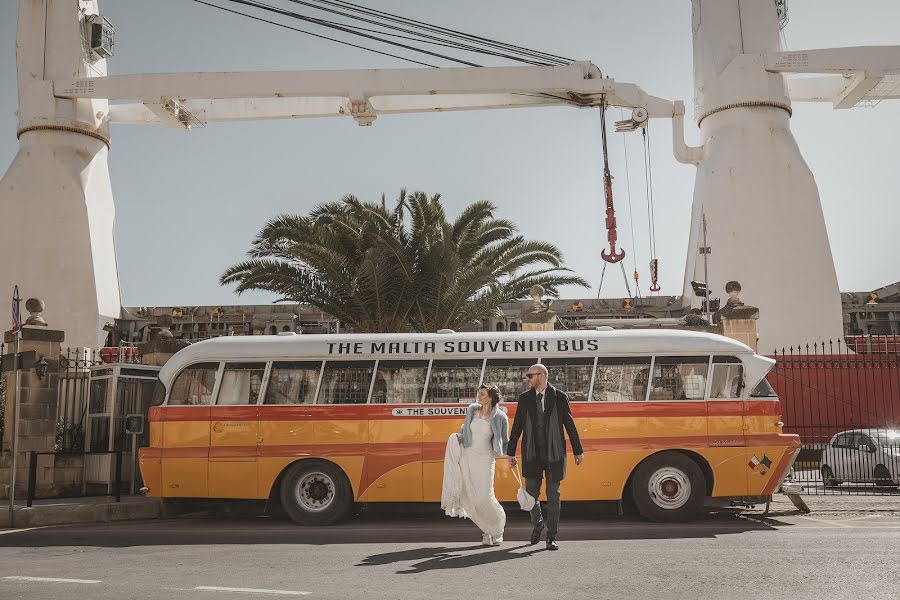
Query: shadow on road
x=384 y=525
x=450 y=557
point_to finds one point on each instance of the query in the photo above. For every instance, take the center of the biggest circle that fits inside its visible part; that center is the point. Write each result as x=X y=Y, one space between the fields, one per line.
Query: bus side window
x=508 y=375
x=194 y=386
x=621 y=380
x=727 y=377
x=293 y=383
x=454 y=381
x=241 y=383
x=679 y=378
x=346 y=382
x=399 y=381
x=571 y=375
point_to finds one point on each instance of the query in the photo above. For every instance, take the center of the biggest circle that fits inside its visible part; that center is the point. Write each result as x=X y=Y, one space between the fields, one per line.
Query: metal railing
x=32 y=474
x=845 y=406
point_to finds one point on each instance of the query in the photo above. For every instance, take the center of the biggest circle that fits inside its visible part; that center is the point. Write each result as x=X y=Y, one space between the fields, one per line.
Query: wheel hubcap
x=315 y=491
x=669 y=488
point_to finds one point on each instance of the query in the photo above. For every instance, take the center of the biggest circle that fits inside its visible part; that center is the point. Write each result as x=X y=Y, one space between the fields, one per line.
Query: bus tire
x=315 y=492
x=668 y=486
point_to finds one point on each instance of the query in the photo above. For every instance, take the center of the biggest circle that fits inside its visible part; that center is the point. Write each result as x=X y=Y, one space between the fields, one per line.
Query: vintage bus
x=669 y=419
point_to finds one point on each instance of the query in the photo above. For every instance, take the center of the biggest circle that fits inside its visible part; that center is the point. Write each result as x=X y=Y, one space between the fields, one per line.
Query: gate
x=844 y=403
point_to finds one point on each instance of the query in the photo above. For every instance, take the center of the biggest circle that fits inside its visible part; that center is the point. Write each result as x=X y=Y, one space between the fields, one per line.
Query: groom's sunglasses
x=530 y=375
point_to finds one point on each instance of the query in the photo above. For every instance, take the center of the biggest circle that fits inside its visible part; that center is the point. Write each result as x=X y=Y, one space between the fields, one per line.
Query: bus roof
x=423 y=346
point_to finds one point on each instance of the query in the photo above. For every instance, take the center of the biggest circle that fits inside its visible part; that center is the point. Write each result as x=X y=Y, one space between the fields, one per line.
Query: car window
x=842 y=440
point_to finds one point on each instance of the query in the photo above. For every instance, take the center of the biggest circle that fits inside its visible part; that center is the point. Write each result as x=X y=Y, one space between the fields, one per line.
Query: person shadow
x=444 y=557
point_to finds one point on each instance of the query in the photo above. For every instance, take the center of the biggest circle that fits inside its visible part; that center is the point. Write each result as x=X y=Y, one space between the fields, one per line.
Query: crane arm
x=856 y=76
x=182 y=100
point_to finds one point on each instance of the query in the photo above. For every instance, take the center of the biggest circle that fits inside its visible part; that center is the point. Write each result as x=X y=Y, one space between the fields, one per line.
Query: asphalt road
x=398 y=555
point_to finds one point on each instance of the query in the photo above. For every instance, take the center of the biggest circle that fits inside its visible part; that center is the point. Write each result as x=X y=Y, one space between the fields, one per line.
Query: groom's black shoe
x=551 y=544
x=536 y=534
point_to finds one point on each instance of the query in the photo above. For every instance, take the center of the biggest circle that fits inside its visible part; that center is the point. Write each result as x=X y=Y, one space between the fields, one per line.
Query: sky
x=189 y=203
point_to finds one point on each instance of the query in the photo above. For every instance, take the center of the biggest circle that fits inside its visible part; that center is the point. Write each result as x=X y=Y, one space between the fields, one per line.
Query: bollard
x=118 y=475
x=32 y=478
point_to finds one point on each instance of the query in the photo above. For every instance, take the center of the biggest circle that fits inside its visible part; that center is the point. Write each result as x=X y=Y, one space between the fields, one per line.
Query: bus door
x=728 y=426
x=184 y=420
x=234 y=431
x=677 y=414
x=394 y=455
x=452 y=386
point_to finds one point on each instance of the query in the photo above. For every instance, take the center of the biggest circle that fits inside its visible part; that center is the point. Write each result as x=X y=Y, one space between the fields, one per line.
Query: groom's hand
x=579 y=459
x=512 y=461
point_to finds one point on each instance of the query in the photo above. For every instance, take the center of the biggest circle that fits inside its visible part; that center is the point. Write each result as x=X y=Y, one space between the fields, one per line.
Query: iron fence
x=845 y=406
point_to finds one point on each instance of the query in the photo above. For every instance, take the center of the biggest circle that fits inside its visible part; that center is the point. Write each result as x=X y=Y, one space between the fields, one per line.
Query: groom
x=542 y=413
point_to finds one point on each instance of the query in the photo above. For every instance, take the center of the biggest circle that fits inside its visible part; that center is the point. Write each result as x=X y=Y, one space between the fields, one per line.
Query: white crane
x=751 y=178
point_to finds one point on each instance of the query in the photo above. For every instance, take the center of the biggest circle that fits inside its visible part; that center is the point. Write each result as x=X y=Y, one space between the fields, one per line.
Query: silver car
x=862 y=456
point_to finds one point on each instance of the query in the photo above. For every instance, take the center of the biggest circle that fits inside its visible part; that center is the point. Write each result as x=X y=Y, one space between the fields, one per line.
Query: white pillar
x=765 y=223
x=56 y=205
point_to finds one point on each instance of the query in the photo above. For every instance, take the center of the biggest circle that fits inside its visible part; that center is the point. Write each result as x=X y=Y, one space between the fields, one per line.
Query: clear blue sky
x=188 y=204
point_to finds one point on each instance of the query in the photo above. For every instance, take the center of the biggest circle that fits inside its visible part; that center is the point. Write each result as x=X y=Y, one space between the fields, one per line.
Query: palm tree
x=386 y=269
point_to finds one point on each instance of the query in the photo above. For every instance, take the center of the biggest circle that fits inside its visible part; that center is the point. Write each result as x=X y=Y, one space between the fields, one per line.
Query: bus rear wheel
x=315 y=492
x=668 y=487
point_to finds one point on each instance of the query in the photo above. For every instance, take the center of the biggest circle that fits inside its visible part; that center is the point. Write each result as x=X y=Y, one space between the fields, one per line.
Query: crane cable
x=637 y=285
x=651 y=213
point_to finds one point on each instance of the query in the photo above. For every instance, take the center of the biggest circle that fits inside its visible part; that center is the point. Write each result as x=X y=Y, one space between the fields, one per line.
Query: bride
x=468 y=490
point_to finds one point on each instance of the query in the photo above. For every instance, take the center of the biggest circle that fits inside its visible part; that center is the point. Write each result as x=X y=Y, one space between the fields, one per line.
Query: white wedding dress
x=473 y=495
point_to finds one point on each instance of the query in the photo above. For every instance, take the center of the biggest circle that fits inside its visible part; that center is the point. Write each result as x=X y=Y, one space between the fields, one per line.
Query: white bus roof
x=478 y=345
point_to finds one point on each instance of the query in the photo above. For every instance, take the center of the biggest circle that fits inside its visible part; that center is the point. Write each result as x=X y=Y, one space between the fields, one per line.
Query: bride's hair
x=494 y=392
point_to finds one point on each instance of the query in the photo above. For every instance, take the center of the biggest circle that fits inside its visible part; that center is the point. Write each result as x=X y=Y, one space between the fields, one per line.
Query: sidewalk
x=828 y=504
x=64 y=511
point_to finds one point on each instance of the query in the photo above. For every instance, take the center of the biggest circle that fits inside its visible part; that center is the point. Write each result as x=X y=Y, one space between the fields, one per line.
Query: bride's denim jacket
x=499 y=427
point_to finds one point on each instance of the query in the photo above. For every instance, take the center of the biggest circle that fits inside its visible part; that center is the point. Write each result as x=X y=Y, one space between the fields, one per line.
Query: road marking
x=51 y=579
x=8 y=531
x=208 y=588
x=828 y=522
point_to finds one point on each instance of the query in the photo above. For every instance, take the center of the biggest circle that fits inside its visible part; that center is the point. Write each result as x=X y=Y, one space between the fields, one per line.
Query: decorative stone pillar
x=163 y=345
x=538 y=316
x=38 y=386
x=737 y=320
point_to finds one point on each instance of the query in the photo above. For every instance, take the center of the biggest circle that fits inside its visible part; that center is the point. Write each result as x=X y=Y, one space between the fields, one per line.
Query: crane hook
x=654 y=273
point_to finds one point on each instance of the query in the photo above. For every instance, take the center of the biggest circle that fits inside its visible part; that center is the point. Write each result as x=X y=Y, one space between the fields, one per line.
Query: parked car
x=862 y=456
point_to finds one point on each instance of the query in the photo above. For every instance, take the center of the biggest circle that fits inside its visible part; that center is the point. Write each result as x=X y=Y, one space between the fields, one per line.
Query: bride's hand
x=512 y=461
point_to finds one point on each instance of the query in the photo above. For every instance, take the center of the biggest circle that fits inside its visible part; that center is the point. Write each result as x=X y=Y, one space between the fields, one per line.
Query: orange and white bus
x=320 y=422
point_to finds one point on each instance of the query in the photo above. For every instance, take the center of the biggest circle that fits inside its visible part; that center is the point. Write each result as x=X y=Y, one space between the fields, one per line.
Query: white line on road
x=51 y=579
x=207 y=588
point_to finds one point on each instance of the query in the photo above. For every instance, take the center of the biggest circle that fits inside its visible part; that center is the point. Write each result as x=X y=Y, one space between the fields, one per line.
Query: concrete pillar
x=762 y=207
x=737 y=320
x=537 y=316
x=56 y=200
x=36 y=425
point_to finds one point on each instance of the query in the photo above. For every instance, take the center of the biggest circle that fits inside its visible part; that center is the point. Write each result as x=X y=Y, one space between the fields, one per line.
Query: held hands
x=512 y=461
x=579 y=458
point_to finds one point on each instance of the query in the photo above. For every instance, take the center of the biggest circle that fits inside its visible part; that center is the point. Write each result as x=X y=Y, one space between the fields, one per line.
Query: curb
x=70 y=514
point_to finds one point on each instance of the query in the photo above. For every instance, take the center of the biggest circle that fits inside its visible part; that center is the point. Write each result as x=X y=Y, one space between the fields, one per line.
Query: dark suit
x=539 y=428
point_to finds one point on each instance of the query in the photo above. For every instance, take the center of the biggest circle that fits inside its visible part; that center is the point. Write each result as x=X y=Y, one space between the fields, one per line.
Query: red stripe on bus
x=435 y=450
x=371 y=412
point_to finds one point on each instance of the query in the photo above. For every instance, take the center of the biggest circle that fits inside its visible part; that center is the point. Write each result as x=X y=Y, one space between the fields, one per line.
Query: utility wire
x=324 y=37
x=287 y=13
x=409 y=29
x=442 y=41
x=446 y=31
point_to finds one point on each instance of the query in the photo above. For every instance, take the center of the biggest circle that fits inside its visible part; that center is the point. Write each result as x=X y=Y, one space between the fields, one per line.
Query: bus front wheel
x=668 y=487
x=315 y=492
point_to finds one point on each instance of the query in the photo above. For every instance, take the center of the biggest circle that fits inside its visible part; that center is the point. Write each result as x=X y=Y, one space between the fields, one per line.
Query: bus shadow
x=440 y=538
